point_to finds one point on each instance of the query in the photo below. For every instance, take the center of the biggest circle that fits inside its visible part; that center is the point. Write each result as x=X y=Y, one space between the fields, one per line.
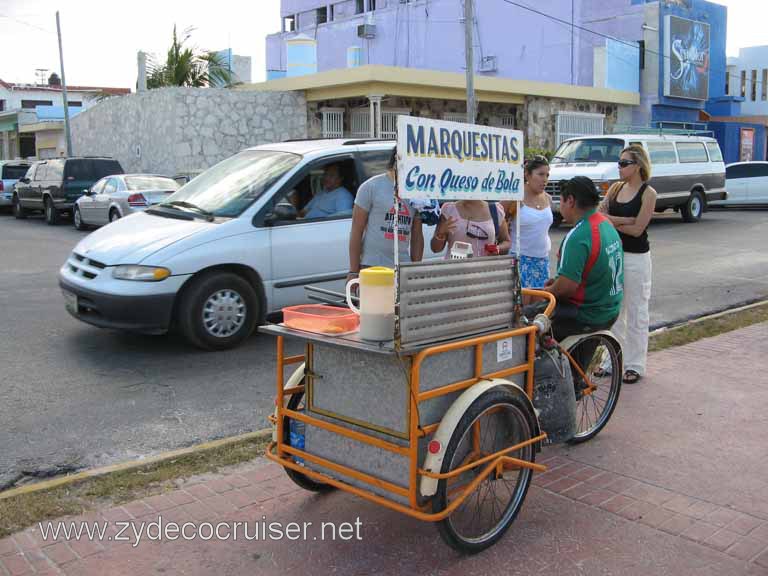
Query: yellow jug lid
x=377 y=276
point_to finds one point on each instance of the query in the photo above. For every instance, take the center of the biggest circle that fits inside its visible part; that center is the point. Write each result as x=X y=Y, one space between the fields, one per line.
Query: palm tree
x=188 y=66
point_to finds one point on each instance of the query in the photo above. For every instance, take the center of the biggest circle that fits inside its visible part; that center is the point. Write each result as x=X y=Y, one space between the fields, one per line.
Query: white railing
x=574 y=124
x=333 y=122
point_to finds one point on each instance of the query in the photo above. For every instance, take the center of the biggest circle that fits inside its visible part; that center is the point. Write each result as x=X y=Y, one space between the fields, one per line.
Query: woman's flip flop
x=631 y=377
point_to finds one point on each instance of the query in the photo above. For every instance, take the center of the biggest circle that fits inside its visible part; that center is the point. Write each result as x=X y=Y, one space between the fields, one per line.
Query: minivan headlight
x=141 y=273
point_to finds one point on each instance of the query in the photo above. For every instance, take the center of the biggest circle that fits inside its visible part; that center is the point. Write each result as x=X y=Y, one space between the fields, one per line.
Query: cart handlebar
x=542 y=294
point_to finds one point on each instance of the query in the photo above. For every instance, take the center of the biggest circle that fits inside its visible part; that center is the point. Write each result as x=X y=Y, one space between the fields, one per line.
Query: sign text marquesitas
x=454 y=161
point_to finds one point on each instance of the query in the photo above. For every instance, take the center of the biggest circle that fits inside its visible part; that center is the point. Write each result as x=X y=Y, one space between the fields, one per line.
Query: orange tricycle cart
x=443 y=422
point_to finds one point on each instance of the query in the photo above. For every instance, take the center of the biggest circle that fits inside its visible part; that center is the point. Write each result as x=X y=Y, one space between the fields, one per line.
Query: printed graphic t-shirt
x=376 y=196
x=591 y=254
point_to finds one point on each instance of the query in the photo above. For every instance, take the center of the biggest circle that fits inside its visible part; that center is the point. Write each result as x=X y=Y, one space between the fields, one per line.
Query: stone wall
x=186 y=130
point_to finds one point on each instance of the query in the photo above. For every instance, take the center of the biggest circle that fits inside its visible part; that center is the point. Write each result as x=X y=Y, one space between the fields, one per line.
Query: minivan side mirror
x=282 y=211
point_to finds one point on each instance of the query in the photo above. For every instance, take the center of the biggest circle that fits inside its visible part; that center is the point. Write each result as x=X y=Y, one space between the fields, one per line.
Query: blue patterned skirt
x=534 y=272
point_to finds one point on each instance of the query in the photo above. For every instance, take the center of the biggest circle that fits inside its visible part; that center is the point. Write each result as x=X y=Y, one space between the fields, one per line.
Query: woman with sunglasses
x=629 y=205
x=535 y=220
x=471 y=221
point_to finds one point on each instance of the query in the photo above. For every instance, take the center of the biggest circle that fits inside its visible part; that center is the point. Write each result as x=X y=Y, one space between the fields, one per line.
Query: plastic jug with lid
x=377 y=303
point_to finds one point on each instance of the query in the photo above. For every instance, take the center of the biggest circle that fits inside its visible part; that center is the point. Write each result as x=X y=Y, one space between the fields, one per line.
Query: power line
x=27 y=24
x=621 y=41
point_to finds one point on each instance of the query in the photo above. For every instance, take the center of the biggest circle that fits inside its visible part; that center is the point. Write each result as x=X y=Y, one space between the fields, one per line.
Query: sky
x=101 y=38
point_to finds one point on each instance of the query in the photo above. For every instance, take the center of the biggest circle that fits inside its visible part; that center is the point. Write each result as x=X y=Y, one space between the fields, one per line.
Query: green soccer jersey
x=591 y=254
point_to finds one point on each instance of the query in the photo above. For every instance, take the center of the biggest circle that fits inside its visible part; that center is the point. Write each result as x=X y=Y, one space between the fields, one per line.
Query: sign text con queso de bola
x=461 y=146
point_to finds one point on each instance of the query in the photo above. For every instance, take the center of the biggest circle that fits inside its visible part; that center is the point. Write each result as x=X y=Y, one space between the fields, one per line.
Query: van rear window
x=92 y=169
x=11 y=172
x=691 y=152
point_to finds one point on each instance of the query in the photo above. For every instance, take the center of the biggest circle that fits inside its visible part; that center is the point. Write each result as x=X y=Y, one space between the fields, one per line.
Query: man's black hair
x=583 y=189
x=392 y=160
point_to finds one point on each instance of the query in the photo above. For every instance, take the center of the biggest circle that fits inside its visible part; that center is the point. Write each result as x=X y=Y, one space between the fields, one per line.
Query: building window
x=753 y=91
x=359 y=6
x=727 y=83
x=322 y=15
x=743 y=83
x=764 y=87
x=2 y=105
x=75 y=103
x=641 y=49
x=289 y=24
x=32 y=104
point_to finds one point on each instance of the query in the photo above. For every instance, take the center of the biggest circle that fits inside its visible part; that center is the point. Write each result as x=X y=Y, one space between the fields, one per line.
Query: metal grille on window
x=455 y=116
x=333 y=122
x=389 y=122
x=361 y=123
x=574 y=124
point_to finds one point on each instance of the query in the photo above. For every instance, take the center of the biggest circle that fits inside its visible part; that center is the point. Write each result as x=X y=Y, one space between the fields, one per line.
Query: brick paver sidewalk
x=677 y=484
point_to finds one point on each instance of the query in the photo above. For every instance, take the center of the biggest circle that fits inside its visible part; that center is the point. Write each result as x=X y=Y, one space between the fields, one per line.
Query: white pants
x=631 y=327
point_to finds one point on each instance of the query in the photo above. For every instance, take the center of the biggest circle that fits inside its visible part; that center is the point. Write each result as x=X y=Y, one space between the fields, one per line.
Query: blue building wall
x=681 y=109
x=622 y=66
x=728 y=135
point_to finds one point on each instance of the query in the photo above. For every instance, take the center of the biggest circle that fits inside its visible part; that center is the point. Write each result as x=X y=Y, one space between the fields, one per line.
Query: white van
x=687 y=171
x=226 y=249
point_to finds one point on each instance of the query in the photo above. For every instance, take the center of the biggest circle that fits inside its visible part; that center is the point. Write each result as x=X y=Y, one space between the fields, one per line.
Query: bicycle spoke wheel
x=496 y=420
x=600 y=359
x=296 y=403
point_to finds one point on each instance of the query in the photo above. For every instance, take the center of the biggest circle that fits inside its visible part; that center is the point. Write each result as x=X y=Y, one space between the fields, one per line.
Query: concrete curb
x=135 y=464
x=132 y=464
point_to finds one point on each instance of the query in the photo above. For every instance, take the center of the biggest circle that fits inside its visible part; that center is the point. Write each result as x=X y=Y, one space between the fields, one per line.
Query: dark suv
x=52 y=186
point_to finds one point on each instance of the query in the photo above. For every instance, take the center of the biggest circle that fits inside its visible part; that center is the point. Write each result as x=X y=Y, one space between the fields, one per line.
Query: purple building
x=555 y=69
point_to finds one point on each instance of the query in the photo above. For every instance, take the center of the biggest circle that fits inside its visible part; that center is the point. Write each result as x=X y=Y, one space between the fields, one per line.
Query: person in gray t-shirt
x=371 y=241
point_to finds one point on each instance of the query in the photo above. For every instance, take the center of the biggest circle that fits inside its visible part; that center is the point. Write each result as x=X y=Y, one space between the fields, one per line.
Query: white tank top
x=534 y=232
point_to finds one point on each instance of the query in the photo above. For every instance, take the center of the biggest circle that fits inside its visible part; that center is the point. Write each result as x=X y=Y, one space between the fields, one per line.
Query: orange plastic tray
x=322 y=319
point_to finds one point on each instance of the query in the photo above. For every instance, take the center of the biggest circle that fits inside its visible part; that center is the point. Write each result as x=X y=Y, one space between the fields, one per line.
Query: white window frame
x=333 y=122
x=576 y=124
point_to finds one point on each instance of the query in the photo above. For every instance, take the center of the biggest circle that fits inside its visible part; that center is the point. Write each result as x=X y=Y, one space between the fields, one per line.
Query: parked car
x=53 y=186
x=10 y=173
x=225 y=250
x=687 y=171
x=746 y=183
x=113 y=197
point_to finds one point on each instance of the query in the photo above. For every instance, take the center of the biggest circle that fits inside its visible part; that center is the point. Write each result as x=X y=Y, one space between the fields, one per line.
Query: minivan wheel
x=77 y=219
x=693 y=208
x=52 y=215
x=18 y=210
x=218 y=311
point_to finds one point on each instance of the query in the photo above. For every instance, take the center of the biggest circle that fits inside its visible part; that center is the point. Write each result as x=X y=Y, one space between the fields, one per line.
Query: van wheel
x=692 y=210
x=52 y=215
x=19 y=212
x=218 y=311
x=557 y=219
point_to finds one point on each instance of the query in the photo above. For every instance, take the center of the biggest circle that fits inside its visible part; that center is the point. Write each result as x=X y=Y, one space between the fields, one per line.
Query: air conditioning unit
x=366 y=31
x=488 y=64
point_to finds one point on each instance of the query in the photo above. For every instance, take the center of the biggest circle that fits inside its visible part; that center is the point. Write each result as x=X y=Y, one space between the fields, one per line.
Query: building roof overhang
x=42 y=126
x=371 y=80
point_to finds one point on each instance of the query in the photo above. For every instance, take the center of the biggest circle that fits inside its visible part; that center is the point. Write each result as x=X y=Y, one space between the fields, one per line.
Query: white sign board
x=455 y=161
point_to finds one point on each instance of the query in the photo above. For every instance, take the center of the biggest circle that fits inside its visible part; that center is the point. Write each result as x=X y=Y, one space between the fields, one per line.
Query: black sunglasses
x=625 y=163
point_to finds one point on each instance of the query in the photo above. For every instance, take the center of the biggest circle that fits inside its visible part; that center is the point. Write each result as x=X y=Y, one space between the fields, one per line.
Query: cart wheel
x=496 y=420
x=600 y=358
x=296 y=403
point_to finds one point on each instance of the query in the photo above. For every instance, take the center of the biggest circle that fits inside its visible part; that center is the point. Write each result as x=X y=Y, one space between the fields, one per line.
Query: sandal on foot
x=601 y=373
x=631 y=377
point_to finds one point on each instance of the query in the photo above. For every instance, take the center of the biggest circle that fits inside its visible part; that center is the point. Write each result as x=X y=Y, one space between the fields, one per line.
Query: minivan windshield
x=229 y=187
x=589 y=150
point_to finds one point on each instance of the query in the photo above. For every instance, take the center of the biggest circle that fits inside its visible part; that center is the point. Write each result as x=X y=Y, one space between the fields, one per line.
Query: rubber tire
x=686 y=210
x=112 y=213
x=298 y=478
x=52 y=216
x=189 y=312
x=77 y=220
x=440 y=501
x=613 y=393
x=19 y=212
x=557 y=219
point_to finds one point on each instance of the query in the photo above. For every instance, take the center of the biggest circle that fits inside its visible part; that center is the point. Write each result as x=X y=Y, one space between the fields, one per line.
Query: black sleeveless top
x=633 y=244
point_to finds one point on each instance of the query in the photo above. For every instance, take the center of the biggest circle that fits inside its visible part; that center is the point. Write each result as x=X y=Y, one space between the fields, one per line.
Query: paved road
x=75 y=396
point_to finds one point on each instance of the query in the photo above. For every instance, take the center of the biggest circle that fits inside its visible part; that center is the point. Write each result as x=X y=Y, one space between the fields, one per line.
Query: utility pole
x=468 y=18
x=64 y=89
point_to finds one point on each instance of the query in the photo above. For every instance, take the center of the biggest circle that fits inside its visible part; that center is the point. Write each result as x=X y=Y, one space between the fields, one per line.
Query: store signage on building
x=686 y=58
x=455 y=161
x=747 y=145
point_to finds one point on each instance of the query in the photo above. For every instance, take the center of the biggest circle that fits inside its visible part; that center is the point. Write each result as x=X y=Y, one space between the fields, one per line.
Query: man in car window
x=332 y=199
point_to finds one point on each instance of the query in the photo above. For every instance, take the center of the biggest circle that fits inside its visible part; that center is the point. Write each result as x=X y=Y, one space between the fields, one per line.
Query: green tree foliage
x=187 y=66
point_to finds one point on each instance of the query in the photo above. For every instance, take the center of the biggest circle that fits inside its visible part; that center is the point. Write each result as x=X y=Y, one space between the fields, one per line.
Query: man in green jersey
x=590 y=275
